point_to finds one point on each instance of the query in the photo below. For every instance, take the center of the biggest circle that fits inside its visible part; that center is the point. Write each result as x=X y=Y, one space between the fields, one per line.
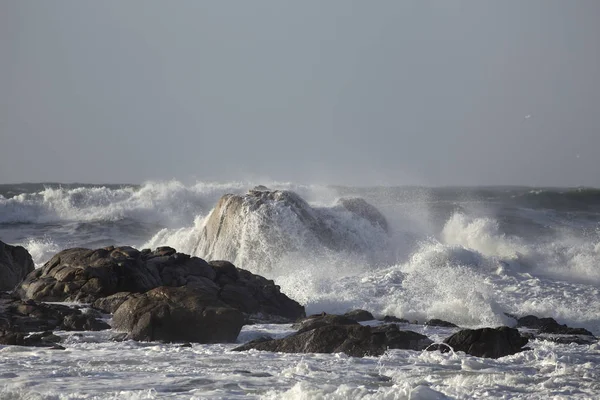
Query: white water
x=94 y=368
x=461 y=267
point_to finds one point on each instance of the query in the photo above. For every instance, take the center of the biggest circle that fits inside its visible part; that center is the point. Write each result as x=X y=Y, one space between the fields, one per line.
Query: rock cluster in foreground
x=163 y=295
x=157 y=295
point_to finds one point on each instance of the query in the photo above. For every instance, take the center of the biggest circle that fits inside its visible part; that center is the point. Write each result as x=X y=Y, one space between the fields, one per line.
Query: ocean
x=467 y=255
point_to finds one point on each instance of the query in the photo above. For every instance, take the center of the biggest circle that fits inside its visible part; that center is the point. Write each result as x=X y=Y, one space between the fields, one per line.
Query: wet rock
x=359 y=315
x=15 y=264
x=354 y=340
x=549 y=325
x=319 y=320
x=110 y=303
x=487 y=342
x=182 y=314
x=31 y=316
x=107 y=277
x=267 y=213
x=365 y=210
x=440 y=323
x=391 y=318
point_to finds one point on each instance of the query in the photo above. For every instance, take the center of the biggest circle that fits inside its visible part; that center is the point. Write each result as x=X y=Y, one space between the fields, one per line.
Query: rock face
x=91 y=275
x=189 y=313
x=350 y=338
x=487 y=342
x=259 y=228
x=15 y=264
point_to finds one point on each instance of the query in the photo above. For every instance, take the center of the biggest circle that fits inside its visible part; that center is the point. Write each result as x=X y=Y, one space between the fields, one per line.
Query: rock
x=319 y=320
x=257 y=229
x=110 y=303
x=107 y=277
x=391 y=318
x=440 y=323
x=19 y=318
x=549 y=325
x=359 y=315
x=182 y=314
x=15 y=264
x=354 y=340
x=487 y=342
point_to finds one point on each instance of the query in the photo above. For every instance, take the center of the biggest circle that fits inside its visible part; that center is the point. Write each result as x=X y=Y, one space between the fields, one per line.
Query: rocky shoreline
x=166 y=296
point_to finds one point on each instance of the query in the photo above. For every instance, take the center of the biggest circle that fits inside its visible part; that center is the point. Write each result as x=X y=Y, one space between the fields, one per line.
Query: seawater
x=466 y=255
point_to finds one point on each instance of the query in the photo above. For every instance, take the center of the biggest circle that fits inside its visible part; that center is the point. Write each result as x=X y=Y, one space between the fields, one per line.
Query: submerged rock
x=353 y=339
x=190 y=313
x=486 y=342
x=107 y=277
x=15 y=264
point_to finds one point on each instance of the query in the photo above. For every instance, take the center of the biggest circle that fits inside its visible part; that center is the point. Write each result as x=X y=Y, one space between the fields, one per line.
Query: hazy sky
x=364 y=92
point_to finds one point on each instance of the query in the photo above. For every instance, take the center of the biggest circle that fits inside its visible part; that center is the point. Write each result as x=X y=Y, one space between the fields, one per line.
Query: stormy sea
x=473 y=256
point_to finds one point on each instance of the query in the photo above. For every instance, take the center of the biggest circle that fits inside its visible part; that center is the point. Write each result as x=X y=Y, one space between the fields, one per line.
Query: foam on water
x=93 y=367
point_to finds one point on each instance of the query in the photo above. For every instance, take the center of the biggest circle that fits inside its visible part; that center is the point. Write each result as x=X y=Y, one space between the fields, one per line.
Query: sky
x=340 y=92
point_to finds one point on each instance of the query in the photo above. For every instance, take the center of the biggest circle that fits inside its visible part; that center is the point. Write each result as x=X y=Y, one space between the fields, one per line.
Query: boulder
x=486 y=342
x=178 y=314
x=440 y=323
x=106 y=277
x=359 y=315
x=319 y=320
x=549 y=325
x=392 y=318
x=257 y=229
x=353 y=339
x=15 y=264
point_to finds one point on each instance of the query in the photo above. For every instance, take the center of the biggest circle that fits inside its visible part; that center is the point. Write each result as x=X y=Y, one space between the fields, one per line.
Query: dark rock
x=110 y=303
x=46 y=339
x=31 y=316
x=441 y=323
x=359 y=315
x=549 y=325
x=319 y=320
x=183 y=314
x=107 y=277
x=391 y=318
x=488 y=342
x=354 y=340
x=15 y=264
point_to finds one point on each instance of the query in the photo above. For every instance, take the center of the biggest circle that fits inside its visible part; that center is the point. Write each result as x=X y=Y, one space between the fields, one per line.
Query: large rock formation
x=338 y=334
x=189 y=313
x=85 y=275
x=15 y=264
x=260 y=227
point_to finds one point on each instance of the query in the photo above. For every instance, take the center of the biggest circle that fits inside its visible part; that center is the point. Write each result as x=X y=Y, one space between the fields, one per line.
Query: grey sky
x=396 y=92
